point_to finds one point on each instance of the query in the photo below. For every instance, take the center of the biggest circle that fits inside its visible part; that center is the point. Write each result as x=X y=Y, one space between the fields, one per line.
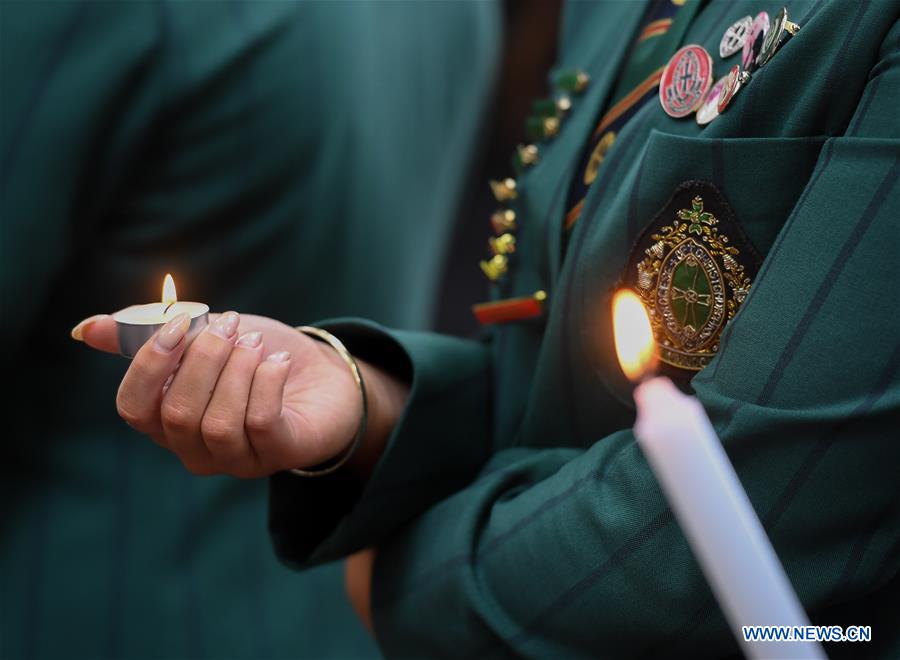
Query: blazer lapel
x=596 y=42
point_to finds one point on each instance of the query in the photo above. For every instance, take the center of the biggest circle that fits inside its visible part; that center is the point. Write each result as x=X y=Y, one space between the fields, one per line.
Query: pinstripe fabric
x=241 y=146
x=710 y=374
x=865 y=220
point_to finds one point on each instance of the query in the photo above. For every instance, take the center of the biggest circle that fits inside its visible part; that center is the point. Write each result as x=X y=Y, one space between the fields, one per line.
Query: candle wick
x=169 y=306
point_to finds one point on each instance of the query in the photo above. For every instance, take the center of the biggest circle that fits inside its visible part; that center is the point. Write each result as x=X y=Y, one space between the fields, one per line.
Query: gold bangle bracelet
x=336 y=463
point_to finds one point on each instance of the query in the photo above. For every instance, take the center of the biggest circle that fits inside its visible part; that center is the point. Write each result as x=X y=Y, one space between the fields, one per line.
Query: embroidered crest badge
x=692 y=267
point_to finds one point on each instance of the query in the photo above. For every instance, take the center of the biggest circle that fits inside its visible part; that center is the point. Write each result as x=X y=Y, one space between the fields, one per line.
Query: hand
x=249 y=396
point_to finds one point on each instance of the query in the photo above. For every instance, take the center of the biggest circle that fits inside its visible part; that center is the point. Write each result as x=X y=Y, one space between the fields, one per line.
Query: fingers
x=98 y=332
x=185 y=401
x=267 y=428
x=140 y=393
x=211 y=399
x=223 y=424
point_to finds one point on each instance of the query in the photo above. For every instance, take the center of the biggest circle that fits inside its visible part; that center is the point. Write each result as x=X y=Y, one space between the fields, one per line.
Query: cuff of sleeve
x=438 y=445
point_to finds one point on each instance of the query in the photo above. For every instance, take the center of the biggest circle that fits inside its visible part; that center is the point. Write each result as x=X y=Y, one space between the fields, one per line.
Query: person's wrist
x=387 y=397
x=339 y=351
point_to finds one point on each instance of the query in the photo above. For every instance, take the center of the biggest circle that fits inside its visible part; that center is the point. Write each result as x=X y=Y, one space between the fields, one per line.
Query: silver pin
x=733 y=82
x=709 y=109
x=734 y=37
x=780 y=31
x=755 y=38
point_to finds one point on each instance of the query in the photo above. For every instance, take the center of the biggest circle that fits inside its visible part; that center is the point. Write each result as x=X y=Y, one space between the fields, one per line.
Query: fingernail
x=280 y=356
x=226 y=325
x=173 y=332
x=250 y=339
x=78 y=330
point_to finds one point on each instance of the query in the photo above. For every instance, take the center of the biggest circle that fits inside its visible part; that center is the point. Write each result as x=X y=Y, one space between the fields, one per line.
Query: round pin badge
x=709 y=109
x=685 y=81
x=754 y=42
x=780 y=31
x=731 y=85
x=734 y=37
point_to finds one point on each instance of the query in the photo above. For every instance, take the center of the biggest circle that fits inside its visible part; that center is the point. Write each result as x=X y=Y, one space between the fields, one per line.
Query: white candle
x=136 y=324
x=708 y=500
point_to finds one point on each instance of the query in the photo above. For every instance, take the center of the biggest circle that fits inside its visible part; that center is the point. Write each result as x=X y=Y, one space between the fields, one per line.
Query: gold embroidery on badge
x=692 y=284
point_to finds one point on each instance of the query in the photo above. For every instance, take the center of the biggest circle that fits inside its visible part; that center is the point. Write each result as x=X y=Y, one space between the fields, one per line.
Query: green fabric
x=294 y=159
x=562 y=544
x=449 y=373
x=652 y=53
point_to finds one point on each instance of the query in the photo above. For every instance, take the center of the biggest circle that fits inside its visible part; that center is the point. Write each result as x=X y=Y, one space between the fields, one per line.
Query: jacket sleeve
x=312 y=520
x=567 y=553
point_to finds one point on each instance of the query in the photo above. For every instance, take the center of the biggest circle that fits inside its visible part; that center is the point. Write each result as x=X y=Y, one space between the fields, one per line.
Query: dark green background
x=292 y=159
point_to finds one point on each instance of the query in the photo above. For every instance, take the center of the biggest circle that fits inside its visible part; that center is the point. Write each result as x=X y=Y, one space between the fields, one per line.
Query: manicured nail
x=173 y=332
x=226 y=325
x=250 y=339
x=280 y=356
x=78 y=330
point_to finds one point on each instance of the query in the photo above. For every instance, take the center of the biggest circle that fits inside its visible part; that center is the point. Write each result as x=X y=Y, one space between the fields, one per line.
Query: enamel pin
x=496 y=267
x=780 y=31
x=733 y=82
x=511 y=310
x=709 y=109
x=504 y=190
x=754 y=42
x=685 y=81
x=503 y=220
x=734 y=37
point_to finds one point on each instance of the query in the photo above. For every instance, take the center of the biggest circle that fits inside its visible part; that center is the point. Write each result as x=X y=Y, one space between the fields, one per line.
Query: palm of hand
x=321 y=405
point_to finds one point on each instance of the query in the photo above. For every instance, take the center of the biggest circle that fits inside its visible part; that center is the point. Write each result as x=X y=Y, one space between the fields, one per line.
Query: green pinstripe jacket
x=274 y=156
x=512 y=504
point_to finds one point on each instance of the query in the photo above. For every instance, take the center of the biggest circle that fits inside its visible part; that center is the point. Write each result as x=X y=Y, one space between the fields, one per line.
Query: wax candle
x=136 y=324
x=706 y=496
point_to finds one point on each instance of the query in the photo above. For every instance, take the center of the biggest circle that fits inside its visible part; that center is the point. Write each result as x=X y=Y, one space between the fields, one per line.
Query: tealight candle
x=706 y=496
x=136 y=324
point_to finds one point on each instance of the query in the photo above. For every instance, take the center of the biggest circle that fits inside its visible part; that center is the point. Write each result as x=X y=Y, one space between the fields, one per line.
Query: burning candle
x=136 y=324
x=706 y=496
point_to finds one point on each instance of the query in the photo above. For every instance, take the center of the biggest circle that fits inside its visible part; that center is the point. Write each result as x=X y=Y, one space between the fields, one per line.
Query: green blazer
x=295 y=159
x=512 y=503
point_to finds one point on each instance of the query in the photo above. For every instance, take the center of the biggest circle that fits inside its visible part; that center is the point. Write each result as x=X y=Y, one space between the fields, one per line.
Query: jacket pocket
x=761 y=178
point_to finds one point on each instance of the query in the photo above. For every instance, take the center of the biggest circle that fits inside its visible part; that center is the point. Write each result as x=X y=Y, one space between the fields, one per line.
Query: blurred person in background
x=299 y=159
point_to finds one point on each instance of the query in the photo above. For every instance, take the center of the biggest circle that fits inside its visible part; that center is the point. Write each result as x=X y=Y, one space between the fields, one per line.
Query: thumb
x=98 y=332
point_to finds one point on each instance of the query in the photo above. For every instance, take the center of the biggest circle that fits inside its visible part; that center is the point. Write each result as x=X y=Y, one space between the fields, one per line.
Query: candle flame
x=635 y=346
x=169 y=295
